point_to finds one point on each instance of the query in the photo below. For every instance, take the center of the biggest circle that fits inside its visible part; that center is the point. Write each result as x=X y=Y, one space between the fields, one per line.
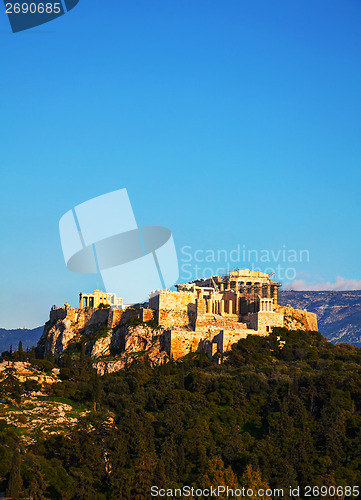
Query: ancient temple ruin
x=99 y=297
x=216 y=312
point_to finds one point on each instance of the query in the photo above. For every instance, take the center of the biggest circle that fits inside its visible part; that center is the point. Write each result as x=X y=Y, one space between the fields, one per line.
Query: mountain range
x=28 y=337
x=338 y=312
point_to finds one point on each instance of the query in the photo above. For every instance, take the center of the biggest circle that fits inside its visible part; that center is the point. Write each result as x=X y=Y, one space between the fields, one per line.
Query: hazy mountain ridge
x=338 y=312
x=29 y=337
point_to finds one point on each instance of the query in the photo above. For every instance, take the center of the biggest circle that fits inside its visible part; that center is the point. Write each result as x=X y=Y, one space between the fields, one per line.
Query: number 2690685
x=33 y=8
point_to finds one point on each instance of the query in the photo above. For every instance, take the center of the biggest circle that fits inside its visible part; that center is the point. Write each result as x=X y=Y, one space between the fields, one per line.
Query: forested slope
x=281 y=410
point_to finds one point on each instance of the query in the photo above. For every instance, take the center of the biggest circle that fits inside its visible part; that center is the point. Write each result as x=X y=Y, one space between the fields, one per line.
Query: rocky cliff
x=113 y=339
x=297 y=319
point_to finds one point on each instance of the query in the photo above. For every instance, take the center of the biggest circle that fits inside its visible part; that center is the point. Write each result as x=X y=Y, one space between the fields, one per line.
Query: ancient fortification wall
x=174 y=309
x=264 y=321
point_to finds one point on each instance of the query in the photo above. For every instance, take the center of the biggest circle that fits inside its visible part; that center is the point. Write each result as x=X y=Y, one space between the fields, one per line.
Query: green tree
x=37 y=484
x=15 y=482
x=252 y=479
x=216 y=474
x=21 y=353
x=10 y=385
x=96 y=391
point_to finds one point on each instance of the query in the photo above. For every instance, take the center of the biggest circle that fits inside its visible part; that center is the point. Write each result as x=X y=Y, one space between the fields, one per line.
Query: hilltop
x=208 y=315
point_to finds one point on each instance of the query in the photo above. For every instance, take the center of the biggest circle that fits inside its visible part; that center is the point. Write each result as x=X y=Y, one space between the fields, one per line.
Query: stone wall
x=211 y=322
x=114 y=318
x=264 y=321
x=178 y=343
x=146 y=315
x=174 y=309
x=228 y=338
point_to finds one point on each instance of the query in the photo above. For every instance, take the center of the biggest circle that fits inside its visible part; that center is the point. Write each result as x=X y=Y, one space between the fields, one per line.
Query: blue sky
x=232 y=123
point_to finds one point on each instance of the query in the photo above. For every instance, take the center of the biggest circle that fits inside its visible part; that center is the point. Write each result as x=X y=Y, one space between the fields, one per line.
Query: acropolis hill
x=207 y=315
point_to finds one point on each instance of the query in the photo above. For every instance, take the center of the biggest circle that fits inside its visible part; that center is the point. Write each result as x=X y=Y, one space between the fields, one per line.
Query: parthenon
x=240 y=292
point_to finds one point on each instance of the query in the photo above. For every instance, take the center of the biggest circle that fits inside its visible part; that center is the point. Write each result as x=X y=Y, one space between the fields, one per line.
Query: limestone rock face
x=56 y=338
x=139 y=342
x=104 y=367
x=143 y=340
x=139 y=338
x=65 y=324
x=101 y=347
x=103 y=336
x=295 y=319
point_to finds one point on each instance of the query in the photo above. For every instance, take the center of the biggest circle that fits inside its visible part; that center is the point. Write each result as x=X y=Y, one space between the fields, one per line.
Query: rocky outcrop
x=56 y=338
x=101 y=346
x=140 y=342
x=105 y=333
x=295 y=319
x=66 y=324
x=112 y=366
x=23 y=371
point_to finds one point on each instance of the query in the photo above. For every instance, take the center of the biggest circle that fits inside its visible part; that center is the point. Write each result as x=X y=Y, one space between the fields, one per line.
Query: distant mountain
x=338 y=313
x=29 y=338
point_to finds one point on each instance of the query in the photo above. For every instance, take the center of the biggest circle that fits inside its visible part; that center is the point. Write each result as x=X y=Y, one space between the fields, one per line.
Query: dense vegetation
x=278 y=411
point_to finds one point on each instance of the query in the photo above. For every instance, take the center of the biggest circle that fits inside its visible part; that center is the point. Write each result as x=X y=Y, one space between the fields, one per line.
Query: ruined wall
x=264 y=321
x=210 y=322
x=228 y=338
x=57 y=314
x=174 y=309
x=81 y=317
x=178 y=343
x=114 y=318
x=146 y=314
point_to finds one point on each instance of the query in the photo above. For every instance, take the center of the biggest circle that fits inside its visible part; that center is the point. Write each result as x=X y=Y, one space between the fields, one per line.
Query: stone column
x=221 y=306
x=275 y=294
x=230 y=307
x=201 y=306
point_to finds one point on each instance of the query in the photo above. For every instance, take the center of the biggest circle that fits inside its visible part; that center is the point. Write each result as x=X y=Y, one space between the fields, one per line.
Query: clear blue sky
x=230 y=122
